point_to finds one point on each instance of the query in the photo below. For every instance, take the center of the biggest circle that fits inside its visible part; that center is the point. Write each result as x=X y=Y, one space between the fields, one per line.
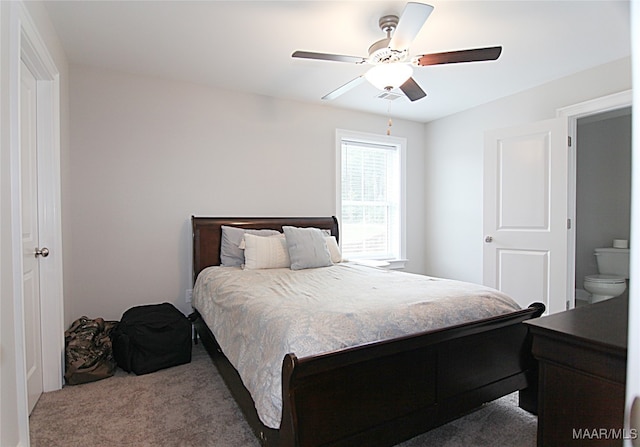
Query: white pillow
x=265 y=252
x=230 y=252
x=334 y=249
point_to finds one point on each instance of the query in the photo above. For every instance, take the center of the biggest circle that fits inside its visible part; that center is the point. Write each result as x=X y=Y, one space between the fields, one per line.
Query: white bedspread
x=258 y=316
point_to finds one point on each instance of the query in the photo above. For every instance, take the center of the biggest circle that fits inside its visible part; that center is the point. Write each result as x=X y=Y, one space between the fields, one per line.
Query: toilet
x=613 y=268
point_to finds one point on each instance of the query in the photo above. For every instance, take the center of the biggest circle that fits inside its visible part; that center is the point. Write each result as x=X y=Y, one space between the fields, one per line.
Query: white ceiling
x=247 y=45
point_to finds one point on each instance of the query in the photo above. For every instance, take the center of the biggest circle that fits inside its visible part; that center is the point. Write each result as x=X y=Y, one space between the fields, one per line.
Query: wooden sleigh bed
x=384 y=392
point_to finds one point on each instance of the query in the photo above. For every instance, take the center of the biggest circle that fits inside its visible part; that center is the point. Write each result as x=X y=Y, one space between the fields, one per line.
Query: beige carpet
x=190 y=406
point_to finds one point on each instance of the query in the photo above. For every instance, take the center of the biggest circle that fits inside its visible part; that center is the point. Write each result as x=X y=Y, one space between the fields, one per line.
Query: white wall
x=146 y=154
x=453 y=163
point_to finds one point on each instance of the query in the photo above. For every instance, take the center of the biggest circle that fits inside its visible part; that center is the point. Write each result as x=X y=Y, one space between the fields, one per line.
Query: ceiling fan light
x=389 y=76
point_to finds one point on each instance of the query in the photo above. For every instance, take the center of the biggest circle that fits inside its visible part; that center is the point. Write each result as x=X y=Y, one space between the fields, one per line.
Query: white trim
x=633 y=345
x=15 y=28
x=597 y=105
x=572 y=114
x=26 y=44
x=401 y=143
x=36 y=55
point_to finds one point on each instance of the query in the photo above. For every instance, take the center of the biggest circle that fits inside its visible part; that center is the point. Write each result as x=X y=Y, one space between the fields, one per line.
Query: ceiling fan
x=392 y=64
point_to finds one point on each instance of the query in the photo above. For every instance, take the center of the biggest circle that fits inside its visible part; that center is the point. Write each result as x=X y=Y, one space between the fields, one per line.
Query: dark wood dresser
x=582 y=355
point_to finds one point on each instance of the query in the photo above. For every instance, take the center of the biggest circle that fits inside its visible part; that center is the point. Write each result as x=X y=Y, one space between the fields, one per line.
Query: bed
x=372 y=393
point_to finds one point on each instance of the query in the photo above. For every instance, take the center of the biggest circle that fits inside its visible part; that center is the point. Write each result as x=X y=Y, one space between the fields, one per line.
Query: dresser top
x=604 y=323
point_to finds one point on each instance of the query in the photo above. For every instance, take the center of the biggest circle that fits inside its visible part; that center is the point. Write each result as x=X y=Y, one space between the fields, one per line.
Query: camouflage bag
x=88 y=351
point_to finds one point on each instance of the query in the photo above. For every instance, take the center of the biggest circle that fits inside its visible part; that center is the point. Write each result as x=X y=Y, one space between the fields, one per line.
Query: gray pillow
x=307 y=248
x=230 y=253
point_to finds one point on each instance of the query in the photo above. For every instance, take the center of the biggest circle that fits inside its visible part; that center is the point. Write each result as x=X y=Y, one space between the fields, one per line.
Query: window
x=370 y=197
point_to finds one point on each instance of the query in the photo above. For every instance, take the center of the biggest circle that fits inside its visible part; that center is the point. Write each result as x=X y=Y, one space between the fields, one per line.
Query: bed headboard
x=207 y=233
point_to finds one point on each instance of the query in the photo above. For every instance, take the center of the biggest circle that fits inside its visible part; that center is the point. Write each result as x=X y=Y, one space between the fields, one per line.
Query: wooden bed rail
x=385 y=392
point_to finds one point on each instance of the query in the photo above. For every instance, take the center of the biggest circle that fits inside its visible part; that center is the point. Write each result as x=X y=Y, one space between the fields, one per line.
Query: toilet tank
x=613 y=261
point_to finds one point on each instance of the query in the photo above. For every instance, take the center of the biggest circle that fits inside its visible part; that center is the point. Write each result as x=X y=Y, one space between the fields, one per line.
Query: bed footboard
x=386 y=392
x=383 y=393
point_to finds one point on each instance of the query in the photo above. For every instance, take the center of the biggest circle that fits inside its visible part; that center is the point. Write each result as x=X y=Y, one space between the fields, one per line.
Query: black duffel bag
x=152 y=337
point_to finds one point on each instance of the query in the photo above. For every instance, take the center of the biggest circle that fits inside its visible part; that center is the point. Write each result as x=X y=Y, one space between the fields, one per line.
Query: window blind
x=370 y=200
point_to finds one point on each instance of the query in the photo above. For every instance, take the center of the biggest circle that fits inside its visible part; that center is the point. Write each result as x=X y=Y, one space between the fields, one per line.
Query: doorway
x=27 y=47
x=511 y=263
x=603 y=190
x=592 y=111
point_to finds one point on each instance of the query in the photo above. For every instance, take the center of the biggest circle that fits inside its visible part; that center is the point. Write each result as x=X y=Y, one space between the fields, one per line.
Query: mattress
x=259 y=316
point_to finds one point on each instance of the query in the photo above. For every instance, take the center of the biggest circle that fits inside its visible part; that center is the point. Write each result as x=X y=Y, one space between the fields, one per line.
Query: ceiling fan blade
x=343 y=89
x=413 y=17
x=412 y=90
x=328 y=57
x=454 y=57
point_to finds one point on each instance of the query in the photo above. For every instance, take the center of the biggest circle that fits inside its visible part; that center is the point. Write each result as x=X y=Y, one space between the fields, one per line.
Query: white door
x=30 y=242
x=525 y=213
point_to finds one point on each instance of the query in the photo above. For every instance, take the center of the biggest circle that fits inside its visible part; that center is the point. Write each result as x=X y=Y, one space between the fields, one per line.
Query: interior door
x=30 y=242
x=525 y=213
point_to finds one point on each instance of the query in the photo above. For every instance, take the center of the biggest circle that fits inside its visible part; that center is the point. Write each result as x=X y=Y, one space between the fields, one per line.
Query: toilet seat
x=605 y=279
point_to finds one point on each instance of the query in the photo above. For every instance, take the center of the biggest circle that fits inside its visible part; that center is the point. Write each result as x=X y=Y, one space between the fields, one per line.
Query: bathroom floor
x=582 y=297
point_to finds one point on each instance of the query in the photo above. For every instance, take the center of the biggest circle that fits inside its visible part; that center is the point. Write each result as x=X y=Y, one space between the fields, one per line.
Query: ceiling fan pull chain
x=390 y=123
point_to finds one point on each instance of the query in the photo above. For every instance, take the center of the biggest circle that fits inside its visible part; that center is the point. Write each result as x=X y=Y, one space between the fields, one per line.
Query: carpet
x=190 y=406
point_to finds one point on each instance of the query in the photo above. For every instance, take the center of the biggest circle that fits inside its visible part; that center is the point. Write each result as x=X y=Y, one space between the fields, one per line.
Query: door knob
x=44 y=252
x=488 y=239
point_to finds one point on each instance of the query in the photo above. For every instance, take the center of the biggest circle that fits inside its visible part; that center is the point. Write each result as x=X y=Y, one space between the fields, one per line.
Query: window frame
x=400 y=144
